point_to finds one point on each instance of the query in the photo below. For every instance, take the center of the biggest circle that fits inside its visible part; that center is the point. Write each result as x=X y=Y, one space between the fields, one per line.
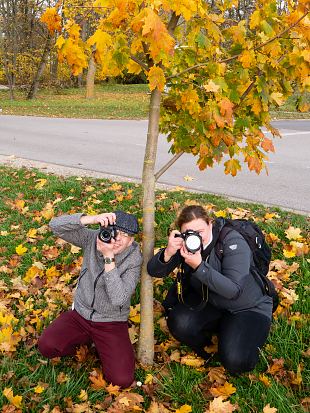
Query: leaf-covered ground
x=38 y=274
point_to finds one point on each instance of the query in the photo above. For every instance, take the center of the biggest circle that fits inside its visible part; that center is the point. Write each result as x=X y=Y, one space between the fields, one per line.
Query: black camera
x=107 y=233
x=192 y=240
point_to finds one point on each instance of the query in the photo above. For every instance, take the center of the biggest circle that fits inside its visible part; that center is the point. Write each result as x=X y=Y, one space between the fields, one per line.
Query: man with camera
x=213 y=294
x=109 y=274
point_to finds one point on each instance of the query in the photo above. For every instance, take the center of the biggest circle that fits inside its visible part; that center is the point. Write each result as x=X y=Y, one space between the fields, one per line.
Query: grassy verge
x=110 y=102
x=37 y=278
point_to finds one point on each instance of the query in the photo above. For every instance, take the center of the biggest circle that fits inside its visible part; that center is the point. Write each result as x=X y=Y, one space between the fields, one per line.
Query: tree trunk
x=36 y=81
x=10 y=79
x=146 y=337
x=90 y=78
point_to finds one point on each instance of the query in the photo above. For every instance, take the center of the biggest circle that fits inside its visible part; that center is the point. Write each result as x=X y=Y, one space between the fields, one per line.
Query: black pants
x=239 y=335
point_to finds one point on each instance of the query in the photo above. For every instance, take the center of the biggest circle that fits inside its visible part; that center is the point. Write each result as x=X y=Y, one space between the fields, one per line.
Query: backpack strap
x=219 y=244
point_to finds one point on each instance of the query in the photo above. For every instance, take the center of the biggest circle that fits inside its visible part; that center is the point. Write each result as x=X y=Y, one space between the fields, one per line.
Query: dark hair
x=191 y=212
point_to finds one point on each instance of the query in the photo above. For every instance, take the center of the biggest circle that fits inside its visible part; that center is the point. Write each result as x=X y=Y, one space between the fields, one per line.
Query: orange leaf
x=156 y=78
x=97 y=379
x=226 y=109
x=268 y=409
x=232 y=166
x=226 y=390
x=267 y=145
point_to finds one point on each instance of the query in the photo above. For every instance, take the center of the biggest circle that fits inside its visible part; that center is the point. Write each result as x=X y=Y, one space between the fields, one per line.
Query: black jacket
x=230 y=284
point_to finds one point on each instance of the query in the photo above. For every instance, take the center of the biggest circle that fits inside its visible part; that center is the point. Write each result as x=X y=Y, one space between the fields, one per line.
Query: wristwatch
x=108 y=260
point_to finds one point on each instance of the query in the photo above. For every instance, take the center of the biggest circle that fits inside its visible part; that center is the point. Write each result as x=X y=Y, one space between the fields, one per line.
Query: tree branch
x=168 y=164
x=143 y=65
x=237 y=55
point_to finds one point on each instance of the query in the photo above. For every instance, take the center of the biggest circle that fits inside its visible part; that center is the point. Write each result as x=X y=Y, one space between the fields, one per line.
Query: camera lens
x=105 y=235
x=193 y=243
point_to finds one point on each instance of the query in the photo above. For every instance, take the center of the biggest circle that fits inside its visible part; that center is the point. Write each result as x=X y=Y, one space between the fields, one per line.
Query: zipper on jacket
x=93 y=302
x=81 y=275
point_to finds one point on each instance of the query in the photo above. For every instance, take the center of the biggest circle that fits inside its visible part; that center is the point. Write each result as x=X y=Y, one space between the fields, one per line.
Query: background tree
x=224 y=62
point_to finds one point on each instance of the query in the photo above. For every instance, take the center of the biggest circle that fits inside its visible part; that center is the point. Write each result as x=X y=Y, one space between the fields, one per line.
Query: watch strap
x=108 y=260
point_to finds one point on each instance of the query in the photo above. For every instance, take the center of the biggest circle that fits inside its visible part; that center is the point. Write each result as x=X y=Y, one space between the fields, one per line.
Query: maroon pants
x=111 y=339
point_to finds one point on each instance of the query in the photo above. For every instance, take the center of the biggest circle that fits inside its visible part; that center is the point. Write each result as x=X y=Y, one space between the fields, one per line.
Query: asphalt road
x=117 y=147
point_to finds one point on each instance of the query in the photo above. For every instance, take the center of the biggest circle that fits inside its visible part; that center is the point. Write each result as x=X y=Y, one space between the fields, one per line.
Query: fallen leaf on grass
x=225 y=391
x=217 y=374
x=97 y=380
x=268 y=409
x=218 y=405
x=193 y=361
x=15 y=400
x=156 y=407
x=184 y=409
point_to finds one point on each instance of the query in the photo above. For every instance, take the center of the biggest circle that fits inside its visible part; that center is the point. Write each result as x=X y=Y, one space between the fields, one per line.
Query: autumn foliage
x=223 y=72
x=37 y=280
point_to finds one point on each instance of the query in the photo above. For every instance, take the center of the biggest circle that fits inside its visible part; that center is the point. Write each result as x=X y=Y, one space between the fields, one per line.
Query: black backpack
x=260 y=250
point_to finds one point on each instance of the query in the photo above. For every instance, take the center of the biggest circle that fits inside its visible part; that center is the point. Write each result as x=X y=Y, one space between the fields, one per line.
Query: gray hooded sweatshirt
x=100 y=296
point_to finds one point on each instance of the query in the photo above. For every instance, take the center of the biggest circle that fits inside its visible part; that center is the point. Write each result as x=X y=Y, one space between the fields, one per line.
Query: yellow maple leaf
x=15 y=400
x=133 y=67
x=52 y=272
x=232 y=166
x=293 y=233
x=20 y=249
x=32 y=233
x=39 y=389
x=277 y=97
x=48 y=211
x=192 y=361
x=115 y=187
x=157 y=35
x=40 y=183
x=83 y=395
x=226 y=390
x=269 y=215
x=148 y=379
x=188 y=178
x=255 y=19
x=184 y=409
x=289 y=253
x=220 y=213
x=52 y=20
x=247 y=58
x=265 y=380
x=113 y=390
x=156 y=78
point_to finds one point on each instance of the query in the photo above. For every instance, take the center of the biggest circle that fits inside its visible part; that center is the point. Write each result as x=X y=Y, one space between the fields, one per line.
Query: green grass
x=288 y=109
x=110 y=102
x=36 y=303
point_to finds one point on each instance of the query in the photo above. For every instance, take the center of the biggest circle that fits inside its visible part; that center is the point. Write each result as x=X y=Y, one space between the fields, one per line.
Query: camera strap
x=204 y=291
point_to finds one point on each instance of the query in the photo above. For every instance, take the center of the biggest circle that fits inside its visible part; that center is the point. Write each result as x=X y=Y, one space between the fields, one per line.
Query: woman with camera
x=109 y=274
x=213 y=295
